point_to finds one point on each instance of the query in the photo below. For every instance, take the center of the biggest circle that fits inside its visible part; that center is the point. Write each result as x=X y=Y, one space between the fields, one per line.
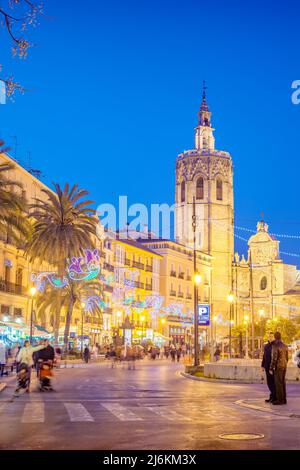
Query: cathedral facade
x=260 y=285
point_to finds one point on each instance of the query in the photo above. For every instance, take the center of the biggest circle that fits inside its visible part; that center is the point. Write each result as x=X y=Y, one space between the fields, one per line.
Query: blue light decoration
x=80 y=269
x=40 y=280
x=85 y=269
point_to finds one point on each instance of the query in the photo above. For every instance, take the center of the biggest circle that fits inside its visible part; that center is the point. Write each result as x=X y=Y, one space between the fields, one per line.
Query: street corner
x=290 y=410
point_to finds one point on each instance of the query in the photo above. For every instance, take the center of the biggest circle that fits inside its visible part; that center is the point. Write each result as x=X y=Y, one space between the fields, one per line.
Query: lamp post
x=197 y=280
x=230 y=299
x=82 y=312
x=246 y=319
x=32 y=292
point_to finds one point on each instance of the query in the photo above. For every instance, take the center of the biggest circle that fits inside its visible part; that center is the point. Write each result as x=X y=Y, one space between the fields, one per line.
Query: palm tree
x=14 y=227
x=71 y=298
x=63 y=226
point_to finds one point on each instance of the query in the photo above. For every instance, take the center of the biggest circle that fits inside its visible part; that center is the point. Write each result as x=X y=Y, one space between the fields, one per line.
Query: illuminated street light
x=197 y=279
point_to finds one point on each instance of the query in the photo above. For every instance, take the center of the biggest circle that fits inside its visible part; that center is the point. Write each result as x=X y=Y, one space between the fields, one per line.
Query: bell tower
x=206 y=174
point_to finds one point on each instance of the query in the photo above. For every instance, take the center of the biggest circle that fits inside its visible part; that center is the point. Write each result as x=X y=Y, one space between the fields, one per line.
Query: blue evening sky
x=115 y=88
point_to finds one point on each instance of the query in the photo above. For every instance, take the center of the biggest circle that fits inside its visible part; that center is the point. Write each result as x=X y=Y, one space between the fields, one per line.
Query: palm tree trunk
x=68 y=323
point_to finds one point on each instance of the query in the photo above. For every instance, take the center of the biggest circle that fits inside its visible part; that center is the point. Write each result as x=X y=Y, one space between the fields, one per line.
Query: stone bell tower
x=206 y=174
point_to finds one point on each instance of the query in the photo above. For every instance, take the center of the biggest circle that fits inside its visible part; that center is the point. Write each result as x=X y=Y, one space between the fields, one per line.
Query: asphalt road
x=152 y=407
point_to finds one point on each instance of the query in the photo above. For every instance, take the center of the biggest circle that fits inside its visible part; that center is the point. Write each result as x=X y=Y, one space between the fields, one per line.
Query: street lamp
x=230 y=299
x=82 y=311
x=197 y=280
x=246 y=319
x=32 y=292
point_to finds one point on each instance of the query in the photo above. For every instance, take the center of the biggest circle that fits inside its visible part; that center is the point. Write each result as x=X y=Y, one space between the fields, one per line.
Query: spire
x=204 y=113
x=204 y=106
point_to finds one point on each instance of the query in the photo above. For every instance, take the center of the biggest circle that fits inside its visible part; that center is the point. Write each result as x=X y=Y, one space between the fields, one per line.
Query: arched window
x=219 y=190
x=200 y=188
x=183 y=191
x=263 y=283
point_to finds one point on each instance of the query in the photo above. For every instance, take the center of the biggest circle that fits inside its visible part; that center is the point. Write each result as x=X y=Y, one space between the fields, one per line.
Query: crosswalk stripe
x=121 y=412
x=171 y=415
x=33 y=413
x=77 y=412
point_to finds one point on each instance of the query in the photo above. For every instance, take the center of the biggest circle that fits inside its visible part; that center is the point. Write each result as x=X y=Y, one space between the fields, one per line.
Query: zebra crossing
x=35 y=412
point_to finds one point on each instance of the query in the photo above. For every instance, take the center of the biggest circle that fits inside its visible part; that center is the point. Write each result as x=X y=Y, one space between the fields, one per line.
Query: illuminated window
x=200 y=188
x=219 y=190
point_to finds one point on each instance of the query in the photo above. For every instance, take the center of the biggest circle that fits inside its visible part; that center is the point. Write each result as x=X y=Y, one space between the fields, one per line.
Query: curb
x=243 y=404
x=224 y=381
x=2 y=387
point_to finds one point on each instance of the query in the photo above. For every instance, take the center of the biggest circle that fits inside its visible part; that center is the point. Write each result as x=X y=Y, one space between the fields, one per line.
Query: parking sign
x=203 y=314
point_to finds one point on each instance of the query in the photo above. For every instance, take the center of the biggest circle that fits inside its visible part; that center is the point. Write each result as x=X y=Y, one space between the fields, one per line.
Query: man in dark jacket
x=266 y=362
x=48 y=353
x=279 y=360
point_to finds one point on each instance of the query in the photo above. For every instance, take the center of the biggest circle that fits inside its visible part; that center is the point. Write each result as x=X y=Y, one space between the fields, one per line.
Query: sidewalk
x=291 y=410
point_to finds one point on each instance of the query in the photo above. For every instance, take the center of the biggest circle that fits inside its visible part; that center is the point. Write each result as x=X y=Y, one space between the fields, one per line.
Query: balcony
x=12 y=288
x=102 y=254
x=108 y=267
x=139 y=285
x=148 y=286
x=127 y=262
x=149 y=268
x=180 y=295
x=188 y=278
x=136 y=264
x=181 y=275
x=173 y=273
x=173 y=293
x=189 y=296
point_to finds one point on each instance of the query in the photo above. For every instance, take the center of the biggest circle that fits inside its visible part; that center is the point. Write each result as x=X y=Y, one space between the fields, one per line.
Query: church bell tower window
x=183 y=191
x=200 y=188
x=219 y=190
x=263 y=283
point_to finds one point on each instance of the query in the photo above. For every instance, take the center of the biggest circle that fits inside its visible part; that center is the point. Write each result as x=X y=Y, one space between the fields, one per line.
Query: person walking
x=279 y=361
x=217 y=354
x=25 y=363
x=173 y=354
x=265 y=365
x=2 y=358
x=178 y=353
x=86 y=354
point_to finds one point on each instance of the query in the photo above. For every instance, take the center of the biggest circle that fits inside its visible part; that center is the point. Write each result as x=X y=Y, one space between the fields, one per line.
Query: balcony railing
x=108 y=267
x=180 y=294
x=149 y=268
x=127 y=262
x=188 y=278
x=189 y=296
x=144 y=325
x=181 y=275
x=173 y=293
x=139 y=285
x=148 y=286
x=12 y=288
x=102 y=254
x=137 y=264
x=173 y=273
